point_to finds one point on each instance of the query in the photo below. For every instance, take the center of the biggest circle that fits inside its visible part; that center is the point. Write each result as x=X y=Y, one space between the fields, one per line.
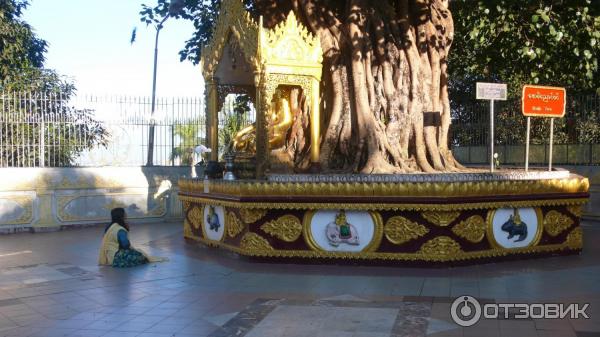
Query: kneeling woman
x=116 y=250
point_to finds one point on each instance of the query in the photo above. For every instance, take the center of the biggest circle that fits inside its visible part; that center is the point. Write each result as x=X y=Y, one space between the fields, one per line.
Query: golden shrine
x=442 y=217
x=244 y=57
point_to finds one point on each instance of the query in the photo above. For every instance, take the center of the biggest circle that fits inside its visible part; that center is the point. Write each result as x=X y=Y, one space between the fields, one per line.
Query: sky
x=89 y=41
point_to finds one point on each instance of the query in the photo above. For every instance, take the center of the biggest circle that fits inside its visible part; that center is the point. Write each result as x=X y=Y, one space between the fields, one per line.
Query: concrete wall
x=47 y=199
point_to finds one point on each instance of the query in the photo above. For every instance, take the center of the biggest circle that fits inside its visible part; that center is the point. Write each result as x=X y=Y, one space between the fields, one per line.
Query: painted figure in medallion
x=340 y=231
x=213 y=219
x=515 y=226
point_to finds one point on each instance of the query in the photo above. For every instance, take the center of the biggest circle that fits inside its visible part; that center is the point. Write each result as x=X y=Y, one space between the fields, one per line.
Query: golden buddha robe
x=280 y=122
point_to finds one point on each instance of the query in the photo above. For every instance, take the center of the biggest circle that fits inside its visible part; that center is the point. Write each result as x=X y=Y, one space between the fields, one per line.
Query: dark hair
x=118 y=216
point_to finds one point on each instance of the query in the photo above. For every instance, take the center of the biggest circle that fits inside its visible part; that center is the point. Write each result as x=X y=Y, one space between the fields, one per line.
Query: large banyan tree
x=384 y=103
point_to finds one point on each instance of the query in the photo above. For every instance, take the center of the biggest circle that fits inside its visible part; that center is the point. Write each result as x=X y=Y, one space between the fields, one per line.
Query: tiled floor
x=50 y=286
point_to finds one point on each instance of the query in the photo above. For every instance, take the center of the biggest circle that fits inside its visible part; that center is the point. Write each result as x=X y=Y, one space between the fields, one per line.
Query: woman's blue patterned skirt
x=125 y=258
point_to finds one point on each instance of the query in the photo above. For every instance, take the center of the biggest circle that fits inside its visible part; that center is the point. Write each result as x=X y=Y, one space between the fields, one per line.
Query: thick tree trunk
x=385 y=69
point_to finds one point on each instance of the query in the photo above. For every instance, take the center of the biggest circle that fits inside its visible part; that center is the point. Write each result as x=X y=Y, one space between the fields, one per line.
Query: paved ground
x=50 y=286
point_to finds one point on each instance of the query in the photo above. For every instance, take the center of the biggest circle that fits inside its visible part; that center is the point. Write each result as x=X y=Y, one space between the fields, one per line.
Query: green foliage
x=203 y=13
x=189 y=139
x=552 y=42
x=233 y=121
x=526 y=42
x=519 y=42
x=35 y=108
x=19 y=47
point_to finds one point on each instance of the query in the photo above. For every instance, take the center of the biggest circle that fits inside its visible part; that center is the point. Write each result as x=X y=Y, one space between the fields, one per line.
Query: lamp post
x=175 y=7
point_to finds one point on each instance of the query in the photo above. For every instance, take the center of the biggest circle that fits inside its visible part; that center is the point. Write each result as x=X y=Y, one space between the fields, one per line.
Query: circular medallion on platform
x=514 y=227
x=213 y=224
x=342 y=231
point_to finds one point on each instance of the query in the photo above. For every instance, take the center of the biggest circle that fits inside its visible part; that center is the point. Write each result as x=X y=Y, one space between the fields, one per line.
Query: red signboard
x=539 y=101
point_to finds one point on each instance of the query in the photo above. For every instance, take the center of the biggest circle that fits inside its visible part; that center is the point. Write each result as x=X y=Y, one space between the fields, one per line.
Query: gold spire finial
x=516 y=216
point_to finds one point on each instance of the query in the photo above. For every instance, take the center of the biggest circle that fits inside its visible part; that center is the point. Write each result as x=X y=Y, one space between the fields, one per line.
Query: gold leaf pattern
x=251 y=215
x=471 y=229
x=291 y=41
x=399 y=230
x=187 y=230
x=556 y=222
x=255 y=243
x=575 y=239
x=576 y=210
x=235 y=22
x=386 y=206
x=195 y=216
x=440 y=246
x=233 y=224
x=436 y=189
x=287 y=228
x=440 y=218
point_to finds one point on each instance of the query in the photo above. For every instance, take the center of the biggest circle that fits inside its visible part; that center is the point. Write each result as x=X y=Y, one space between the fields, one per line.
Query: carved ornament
x=441 y=219
x=195 y=216
x=440 y=246
x=233 y=224
x=399 y=230
x=575 y=239
x=253 y=242
x=556 y=222
x=287 y=228
x=472 y=229
x=251 y=215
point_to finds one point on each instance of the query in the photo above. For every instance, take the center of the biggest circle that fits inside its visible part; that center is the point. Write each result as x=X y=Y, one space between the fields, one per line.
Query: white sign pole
x=491 y=135
x=551 y=143
x=491 y=92
x=527 y=144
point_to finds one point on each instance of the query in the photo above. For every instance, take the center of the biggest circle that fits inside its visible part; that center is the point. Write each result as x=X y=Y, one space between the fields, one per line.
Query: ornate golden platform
x=435 y=218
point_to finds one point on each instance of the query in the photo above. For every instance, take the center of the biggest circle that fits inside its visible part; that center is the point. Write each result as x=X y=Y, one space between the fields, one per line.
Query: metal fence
x=576 y=135
x=55 y=130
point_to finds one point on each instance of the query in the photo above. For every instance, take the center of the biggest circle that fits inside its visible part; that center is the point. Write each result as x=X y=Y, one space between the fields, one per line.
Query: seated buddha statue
x=279 y=121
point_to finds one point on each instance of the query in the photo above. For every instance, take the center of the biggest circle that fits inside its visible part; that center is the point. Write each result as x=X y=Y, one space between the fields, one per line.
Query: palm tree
x=189 y=137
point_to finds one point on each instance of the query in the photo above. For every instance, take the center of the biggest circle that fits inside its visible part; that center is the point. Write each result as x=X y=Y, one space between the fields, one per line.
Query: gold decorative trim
x=235 y=22
x=371 y=247
x=490 y=229
x=233 y=224
x=287 y=228
x=252 y=215
x=440 y=246
x=196 y=216
x=556 y=222
x=576 y=210
x=187 y=229
x=399 y=230
x=253 y=242
x=291 y=43
x=575 y=239
x=388 y=206
x=574 y=244
x=441 y=219
x=257 y=188
x=472 y=229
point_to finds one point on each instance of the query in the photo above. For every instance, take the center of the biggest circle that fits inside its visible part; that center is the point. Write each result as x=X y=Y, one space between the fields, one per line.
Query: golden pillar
x=262 y=138
x=212 y=118
x=315 y=124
